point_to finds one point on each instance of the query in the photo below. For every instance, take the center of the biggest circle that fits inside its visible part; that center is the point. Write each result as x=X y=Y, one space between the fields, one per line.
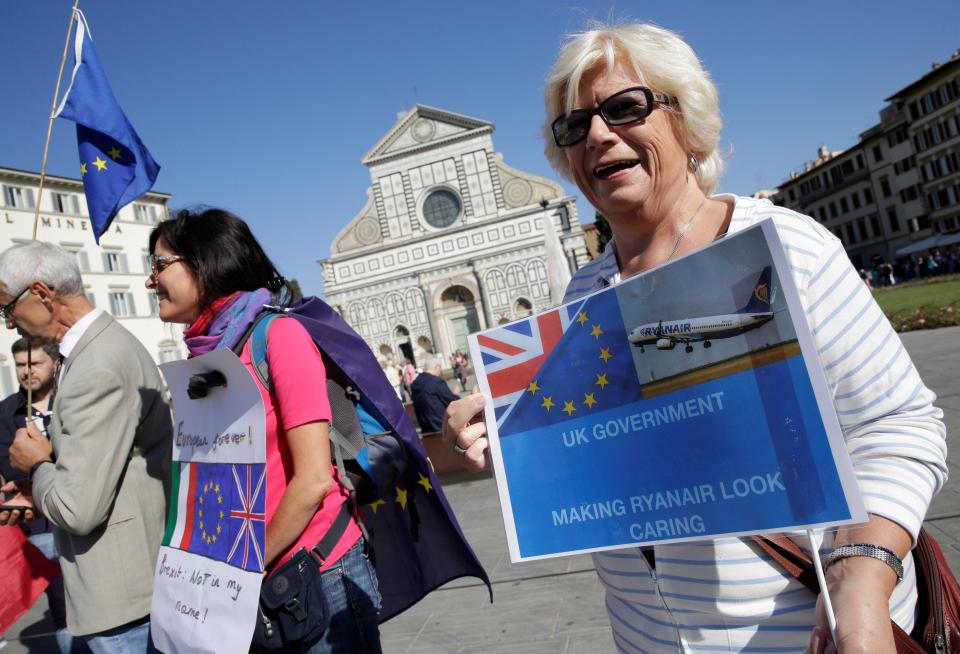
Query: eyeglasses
x=6 y=311
x=159 y=262
x=627 y=106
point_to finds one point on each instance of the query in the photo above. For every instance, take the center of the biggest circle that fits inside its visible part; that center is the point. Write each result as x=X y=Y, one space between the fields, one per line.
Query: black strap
x=330 y=539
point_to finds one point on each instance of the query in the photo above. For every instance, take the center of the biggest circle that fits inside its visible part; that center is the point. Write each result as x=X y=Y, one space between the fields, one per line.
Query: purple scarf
x=224 y=323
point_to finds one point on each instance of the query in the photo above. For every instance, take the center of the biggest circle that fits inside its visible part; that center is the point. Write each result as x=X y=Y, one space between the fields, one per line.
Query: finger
x=9 y=518
x=818 y=641
x=475 y=458
x=32 y=430
x=9 y=487
x=469 y=435
x=29 y=515
x=458 y=415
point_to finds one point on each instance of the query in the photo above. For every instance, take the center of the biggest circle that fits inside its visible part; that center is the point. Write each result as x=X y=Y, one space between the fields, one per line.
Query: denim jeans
x=55 y=597
x=353 y=600
x=130 y=638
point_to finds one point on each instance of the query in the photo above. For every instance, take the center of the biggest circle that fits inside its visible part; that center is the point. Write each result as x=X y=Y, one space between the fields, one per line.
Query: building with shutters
x=897 y=190
x=113 y=272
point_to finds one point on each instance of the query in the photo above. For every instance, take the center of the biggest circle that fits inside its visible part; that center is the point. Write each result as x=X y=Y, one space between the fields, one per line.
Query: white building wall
x=114 y=272
x=407 y=285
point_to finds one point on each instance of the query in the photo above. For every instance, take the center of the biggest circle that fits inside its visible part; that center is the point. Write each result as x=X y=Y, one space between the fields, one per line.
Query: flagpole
x=43 y=175
x=53 y=110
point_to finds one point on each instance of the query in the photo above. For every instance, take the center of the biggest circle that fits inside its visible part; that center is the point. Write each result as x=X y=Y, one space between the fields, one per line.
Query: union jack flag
x=513 y=354
x=251 y=531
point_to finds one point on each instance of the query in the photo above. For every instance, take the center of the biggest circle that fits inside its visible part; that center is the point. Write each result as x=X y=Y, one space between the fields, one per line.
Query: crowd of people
x=936 y=262
x=633 y=119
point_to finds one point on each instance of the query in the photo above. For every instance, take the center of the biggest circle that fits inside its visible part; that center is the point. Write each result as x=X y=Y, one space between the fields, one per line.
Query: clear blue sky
x=267 y=107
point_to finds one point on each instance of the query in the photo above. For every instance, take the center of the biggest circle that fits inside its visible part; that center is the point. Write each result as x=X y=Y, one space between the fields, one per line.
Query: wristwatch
x=866 y=549
x=35 y=466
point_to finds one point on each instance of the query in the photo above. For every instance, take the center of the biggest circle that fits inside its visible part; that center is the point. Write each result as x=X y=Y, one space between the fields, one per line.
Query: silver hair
x=433 y=360
x=25 y=263
x=662 y=61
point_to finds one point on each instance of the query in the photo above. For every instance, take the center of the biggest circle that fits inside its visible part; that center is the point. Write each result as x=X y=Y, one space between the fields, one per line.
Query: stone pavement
x=556 y=606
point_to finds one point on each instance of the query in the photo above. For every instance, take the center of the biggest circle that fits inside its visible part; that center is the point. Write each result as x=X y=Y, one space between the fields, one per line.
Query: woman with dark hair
x=210 y=272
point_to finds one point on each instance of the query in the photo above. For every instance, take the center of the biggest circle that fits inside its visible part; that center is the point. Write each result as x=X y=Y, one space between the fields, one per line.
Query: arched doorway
x=401 y=336
x=458 y=311
x=522 y=308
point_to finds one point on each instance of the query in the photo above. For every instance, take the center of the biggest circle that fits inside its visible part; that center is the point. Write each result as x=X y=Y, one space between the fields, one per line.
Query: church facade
x=450 y=240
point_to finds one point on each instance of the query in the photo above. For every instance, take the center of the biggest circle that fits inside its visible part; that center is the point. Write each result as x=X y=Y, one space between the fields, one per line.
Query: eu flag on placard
x=115 y=164
x=228 y=520
x=560 y=365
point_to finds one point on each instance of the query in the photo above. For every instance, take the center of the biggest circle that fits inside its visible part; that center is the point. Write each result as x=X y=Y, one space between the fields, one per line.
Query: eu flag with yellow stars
x=589 y=371
x=115 y=164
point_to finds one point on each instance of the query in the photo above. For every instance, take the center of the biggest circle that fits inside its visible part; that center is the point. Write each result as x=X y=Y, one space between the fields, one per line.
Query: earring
x=694 y=164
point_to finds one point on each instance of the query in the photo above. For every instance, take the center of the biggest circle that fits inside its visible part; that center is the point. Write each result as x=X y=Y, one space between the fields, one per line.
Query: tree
x=604 y=234
x=295 y=291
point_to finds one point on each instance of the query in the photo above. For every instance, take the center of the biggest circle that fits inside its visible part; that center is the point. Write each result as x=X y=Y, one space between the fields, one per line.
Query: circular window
x=441 y=208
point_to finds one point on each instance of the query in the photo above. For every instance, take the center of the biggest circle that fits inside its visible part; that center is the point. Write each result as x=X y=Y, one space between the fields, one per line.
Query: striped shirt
x=726 y=596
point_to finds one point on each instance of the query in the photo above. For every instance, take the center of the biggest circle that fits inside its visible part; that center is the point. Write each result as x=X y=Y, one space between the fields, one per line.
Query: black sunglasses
x=6 y=311
x=627 y=106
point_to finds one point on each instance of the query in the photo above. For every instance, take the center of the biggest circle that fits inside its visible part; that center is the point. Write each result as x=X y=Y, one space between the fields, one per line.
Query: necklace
x=683 y=230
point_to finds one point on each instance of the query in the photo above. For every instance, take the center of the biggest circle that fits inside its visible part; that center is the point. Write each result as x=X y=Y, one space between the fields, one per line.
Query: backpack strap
x=258 y=347
x=257 y=335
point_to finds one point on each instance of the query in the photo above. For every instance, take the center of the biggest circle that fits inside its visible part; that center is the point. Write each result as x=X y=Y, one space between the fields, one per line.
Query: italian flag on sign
x=219 y=512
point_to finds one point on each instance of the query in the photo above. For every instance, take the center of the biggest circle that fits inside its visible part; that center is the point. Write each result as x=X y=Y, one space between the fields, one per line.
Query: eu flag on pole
x=115 y=164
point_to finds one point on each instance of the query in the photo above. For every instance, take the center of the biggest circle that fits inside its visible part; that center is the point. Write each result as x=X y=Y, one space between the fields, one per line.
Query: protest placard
x=210 y=566
x=685 y=403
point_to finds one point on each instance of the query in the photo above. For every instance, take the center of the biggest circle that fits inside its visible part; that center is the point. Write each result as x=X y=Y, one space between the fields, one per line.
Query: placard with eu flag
x=686 y=403
x=115 y=165
x=211 y=560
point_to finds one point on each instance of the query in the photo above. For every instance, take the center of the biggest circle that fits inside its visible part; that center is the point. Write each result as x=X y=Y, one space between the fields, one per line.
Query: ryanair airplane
x=667 y=334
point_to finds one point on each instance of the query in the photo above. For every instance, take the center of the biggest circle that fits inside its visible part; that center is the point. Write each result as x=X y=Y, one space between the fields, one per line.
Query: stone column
x=484 y=299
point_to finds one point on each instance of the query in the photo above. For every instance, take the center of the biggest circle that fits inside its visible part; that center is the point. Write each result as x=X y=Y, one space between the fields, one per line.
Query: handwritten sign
x=228 y=425
x=685 y=403
x=207 y=581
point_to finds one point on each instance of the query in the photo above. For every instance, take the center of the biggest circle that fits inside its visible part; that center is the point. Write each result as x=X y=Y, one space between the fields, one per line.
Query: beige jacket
x=106 y=496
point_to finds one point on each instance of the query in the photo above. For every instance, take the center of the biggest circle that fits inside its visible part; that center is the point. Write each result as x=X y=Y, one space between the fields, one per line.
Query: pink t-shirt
x=299 y=397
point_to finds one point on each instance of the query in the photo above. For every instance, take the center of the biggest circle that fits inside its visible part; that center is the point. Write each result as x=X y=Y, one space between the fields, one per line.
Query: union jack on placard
x=513 y=354
x=249 y=510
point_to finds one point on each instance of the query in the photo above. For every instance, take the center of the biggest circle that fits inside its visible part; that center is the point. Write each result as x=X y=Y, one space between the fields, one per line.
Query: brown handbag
x=937 y=627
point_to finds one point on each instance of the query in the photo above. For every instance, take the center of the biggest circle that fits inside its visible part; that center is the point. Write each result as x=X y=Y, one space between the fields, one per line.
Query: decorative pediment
x=363 y=230
x=422 y=127
x=522 y=189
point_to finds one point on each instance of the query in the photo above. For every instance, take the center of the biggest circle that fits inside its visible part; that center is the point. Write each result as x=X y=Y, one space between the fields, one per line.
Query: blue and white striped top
x=724 y=596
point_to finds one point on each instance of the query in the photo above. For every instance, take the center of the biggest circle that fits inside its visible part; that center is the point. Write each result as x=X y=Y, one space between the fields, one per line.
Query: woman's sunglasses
x=159 y=263
x=627 y=106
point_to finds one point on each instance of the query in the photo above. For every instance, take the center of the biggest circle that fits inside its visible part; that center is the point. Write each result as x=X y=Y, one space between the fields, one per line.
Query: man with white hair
x=431 y=395
x=101 y=479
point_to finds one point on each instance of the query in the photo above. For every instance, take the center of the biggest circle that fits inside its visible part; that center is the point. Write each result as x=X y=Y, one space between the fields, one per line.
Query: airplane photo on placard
x=667 y=334
x=716 y=313
x=676 y=405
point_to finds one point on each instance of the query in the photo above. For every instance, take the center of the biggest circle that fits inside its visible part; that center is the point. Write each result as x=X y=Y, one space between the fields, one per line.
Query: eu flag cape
x=419 y=545
x=115 y=164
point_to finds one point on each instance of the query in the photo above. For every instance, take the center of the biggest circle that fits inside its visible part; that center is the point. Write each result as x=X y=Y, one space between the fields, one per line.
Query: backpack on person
x=368 y=455
x=408 y=566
